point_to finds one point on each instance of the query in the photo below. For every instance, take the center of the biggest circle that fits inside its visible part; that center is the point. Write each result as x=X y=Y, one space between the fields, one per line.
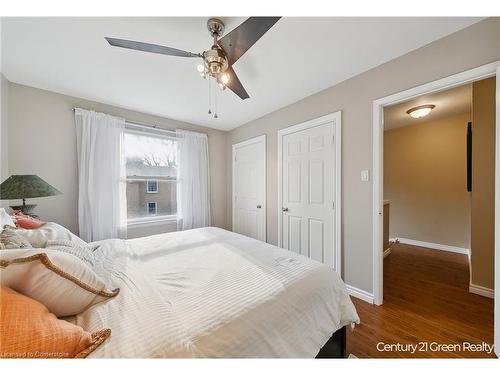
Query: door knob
x=285 y=209
x=259 y=206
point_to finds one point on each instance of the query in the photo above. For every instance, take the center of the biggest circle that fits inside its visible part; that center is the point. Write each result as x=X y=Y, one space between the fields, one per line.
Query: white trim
x=149 y=131
x=259 y=139
x=497 y=220
x=147 y=186
x=481 y=290
x=338 y=191
x=156 y=208
x=336 y=118
x=148 y=221
x=434 y=246
x=359 y=293
x=458 y=79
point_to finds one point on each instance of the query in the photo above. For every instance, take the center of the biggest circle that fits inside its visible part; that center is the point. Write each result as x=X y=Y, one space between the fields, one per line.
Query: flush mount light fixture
x=421 y=110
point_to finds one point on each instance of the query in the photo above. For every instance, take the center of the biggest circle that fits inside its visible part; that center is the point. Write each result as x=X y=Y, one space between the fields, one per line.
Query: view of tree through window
x=150 y=161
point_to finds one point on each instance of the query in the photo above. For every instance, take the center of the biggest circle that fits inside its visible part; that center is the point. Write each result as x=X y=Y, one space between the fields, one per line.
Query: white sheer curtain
x=193 y=192
x=102 y=205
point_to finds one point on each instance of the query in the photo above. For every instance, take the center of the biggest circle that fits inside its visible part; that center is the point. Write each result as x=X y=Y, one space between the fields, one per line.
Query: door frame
x=496 y=308
x=336 y=118
x=259 y=139
x=475 y=74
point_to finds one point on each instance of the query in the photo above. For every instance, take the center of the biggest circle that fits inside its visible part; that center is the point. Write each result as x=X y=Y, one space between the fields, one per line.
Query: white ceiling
x=448 y=103
x=296 y=58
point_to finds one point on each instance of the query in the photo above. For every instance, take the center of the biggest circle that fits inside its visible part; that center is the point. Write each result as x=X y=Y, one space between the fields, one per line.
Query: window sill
x=149 y=221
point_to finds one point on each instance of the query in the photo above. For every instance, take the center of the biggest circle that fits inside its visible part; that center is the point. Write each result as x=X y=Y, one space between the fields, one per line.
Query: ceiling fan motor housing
x=215 y=27
x=215 y=61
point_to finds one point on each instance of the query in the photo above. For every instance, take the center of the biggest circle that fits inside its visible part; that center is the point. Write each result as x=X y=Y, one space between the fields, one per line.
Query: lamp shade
x=26 y=186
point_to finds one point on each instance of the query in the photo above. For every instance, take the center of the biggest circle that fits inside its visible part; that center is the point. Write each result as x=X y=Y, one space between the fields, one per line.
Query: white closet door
x=249 y=184
x=308 y=192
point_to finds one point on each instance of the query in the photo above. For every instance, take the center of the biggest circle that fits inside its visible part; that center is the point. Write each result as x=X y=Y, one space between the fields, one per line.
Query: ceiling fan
x=225 y=51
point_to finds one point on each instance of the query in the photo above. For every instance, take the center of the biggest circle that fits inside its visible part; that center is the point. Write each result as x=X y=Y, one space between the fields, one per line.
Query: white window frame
x=156 y=208
x=148 y=219
x=147 y=186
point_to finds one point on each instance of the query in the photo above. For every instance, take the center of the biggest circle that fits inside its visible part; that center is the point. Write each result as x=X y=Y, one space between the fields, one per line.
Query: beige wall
x=466 y=49
x=42 y=141
x=425 y=180
x=42 y=137
x=483 y=183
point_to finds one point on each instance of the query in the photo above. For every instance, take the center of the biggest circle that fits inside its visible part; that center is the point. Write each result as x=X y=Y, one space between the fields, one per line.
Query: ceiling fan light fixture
x=224 y=78
x=421 y=110
x=216 y=62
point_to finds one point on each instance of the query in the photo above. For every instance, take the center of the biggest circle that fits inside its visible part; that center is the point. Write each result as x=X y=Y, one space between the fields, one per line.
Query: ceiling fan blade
x=235 y=85
x=238 y=41
x=147 y=47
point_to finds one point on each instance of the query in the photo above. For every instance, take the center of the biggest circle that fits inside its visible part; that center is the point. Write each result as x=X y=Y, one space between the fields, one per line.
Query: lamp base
x=25 y=208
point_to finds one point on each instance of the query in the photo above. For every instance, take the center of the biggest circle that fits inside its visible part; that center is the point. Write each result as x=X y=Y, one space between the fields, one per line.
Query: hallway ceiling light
x=421 y=110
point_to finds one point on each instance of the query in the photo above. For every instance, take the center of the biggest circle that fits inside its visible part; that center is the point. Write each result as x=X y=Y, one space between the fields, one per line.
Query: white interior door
x=309 y=179
x=249 y=188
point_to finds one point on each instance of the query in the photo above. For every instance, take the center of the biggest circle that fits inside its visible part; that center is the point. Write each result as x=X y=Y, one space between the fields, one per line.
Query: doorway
x=249 y=188
x=472 y=75
x=309 y=187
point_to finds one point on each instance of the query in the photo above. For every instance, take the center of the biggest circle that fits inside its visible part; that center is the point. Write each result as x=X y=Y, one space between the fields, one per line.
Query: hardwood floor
x=426 y=299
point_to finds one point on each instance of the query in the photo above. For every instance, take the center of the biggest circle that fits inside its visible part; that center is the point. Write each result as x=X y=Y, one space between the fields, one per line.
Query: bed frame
x=335 y=347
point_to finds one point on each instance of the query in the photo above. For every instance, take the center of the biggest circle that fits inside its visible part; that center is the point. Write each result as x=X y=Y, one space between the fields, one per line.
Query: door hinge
x=333 y=139
x=333 y=204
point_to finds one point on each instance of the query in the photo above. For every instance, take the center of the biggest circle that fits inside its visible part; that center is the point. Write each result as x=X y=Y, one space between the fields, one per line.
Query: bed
x=212 y=293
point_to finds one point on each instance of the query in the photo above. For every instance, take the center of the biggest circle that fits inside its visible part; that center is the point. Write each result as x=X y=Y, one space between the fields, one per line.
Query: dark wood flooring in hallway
x=426 y=303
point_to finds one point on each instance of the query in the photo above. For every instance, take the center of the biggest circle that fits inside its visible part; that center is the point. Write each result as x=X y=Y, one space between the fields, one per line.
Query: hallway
x=426 y=303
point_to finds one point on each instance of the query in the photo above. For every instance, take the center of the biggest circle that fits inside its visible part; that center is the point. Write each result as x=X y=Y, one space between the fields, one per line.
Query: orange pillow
x=29 y=330
x=27 y=222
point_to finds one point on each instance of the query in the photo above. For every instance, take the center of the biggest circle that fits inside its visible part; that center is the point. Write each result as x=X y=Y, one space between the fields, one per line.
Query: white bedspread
x=213 y=293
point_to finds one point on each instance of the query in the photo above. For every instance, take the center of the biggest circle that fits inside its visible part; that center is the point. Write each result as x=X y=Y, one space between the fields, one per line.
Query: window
x=152 y=186
x=152 y=210
x=151 y=169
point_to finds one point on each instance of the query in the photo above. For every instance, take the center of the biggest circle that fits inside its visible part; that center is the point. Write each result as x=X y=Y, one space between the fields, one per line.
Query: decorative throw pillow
x=50 y=231
x=5 y=219
x=29 y=330
x=9 y=239
x=58 y=280
x=27 y=222
x=85 y=252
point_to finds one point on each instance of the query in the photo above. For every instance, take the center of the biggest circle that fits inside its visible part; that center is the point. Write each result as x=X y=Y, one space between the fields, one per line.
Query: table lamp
x=26 y=186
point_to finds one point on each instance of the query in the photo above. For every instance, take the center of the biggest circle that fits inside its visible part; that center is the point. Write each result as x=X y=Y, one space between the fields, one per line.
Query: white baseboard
x=481 y=290
x=435 y=246
x=361 y=294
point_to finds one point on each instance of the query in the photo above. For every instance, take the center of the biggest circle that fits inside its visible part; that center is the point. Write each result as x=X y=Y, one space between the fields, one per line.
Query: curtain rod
x=142 y=125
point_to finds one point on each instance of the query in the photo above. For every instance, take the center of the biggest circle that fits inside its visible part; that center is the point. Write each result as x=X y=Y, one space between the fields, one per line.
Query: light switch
x=365 y=175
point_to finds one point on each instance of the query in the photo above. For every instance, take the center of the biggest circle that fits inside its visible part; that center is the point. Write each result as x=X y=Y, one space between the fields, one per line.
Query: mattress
x=212 y=293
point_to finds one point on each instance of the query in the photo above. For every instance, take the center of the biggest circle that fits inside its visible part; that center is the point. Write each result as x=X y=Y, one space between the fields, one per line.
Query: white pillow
x=5 y=219
x=60 y=281
x=50 y=231
x=85 y=252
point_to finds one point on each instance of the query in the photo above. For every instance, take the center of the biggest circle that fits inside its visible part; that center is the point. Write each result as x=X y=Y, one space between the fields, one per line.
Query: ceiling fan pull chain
x=209 y=97
x=215 y=100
